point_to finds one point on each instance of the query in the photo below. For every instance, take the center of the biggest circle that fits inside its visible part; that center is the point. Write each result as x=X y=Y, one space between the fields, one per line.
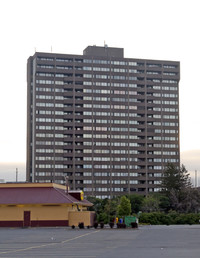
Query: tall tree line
x=177 y=194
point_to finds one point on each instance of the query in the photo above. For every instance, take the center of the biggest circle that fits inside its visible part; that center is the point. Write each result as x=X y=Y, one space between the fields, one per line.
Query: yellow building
x=42 y=204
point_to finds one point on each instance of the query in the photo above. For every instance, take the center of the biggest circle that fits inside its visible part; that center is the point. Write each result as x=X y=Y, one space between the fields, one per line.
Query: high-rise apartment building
x=109 y=123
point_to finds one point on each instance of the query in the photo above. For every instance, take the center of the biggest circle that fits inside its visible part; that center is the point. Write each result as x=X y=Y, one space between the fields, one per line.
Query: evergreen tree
x=175 y=179
x=175 y=183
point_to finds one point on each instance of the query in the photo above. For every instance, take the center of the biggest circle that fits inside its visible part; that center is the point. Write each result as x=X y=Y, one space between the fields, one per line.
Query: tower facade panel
x=111 y=124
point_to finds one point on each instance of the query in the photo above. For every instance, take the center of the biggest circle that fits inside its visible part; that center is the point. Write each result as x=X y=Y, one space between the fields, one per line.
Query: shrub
x=121 y=225
x=171 y=216
x=111 y=224
x=134 y=225
x=81 y=225
x=103 y=217
x=154 y=218
x=95 y=224
x=149 y=218
x=101 y=225
x=189 y=218
x=159 y=218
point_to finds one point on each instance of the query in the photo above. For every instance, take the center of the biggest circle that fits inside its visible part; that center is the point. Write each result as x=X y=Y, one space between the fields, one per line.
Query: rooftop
x=36 y=193
x=104 y=51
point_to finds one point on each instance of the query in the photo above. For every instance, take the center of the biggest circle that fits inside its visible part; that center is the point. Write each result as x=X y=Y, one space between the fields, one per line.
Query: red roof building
x=41 y=204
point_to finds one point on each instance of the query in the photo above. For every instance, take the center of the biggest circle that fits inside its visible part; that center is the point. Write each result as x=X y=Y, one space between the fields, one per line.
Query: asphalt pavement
x=147 y=241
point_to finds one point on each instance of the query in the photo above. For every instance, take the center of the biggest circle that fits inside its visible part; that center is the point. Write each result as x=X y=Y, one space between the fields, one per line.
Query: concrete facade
x=109 y=123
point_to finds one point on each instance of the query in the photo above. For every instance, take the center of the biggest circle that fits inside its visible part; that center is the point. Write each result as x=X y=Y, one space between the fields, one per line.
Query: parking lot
x=147 y=241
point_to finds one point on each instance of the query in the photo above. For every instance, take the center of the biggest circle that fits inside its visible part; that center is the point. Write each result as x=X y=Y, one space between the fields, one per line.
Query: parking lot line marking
x=49 y=244
x=65 y=241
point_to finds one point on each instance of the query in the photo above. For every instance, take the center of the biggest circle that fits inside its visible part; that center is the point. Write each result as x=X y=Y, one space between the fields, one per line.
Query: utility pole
x=16 y=174
x=196 y=182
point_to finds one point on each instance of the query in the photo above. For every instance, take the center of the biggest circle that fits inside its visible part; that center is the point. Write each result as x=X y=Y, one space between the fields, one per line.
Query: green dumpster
x=129 y=219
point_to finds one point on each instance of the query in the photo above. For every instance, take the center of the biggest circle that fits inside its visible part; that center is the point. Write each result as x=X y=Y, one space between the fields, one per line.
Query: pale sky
x=149 y=29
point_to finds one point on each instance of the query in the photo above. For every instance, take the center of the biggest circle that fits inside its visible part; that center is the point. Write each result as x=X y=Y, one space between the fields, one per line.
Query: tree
x=175 y=184
x=136 y=202
x=164 y=202
x=150 y=204
x=97 y=204
x=124 y=208
x=175 y=179
x=189 y=200
x=111 y=207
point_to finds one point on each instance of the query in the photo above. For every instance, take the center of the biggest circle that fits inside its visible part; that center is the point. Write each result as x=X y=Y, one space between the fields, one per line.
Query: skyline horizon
x=21 y=166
